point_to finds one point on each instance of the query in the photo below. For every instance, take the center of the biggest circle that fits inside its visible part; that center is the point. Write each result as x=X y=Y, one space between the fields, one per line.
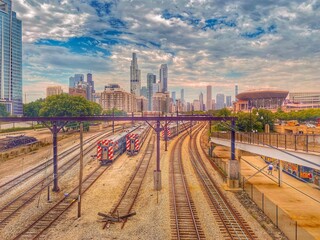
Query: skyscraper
x=173 y=95
x=11 y=59
x=90 y=87
x=163 y=75
x=182 y=96
x=209 y=98
x=201 y=101
x=144 y=92
x=228 y=101
x=151 y=79
x=135 y=76
x=219 y=101
x=236 y=91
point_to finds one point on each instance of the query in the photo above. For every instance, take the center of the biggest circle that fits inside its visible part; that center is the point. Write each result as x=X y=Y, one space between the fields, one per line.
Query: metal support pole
x=113 y=120
x=81 y=169
x=158 y=145
x=166 y=135
x=233 y=140
x=55 y=158
x=157 y=172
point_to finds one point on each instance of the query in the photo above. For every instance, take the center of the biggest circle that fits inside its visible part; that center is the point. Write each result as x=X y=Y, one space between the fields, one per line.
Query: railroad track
x=230 y=221
x=130 y=193
x=4 y=188
x=45 y=221
x=184 y=221
x=15 y=206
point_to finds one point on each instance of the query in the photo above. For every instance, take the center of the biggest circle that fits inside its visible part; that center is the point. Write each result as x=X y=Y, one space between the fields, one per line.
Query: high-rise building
x=182 y=96
x=90 y=87
x=201 y=101
x=236 y=91
x=54 y=90
x=228 y=101
x=173 y=96
x=144 y=93
x=160 y=102
x=196 y=105
x=135 y=76
x=219 y=101
x=209 y=98
x=11 y=59
x=114 y=97
x=151 y=79
x=163 y=75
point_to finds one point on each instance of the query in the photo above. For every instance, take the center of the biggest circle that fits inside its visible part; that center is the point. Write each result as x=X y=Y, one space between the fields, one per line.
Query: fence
x=303 y=142
x=277 y=215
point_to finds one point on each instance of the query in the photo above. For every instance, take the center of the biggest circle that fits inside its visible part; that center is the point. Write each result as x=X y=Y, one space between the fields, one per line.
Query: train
x=135 y=139
x=109 y=149
x=173 y=130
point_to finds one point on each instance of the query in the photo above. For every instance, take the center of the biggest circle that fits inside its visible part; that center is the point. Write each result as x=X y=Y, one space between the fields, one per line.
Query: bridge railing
x=302 y=142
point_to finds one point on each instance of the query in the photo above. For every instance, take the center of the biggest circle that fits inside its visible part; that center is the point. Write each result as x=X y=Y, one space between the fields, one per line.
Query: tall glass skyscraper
x=163 y=75
x=151 y=79
x=135 y=76
x=10 y=59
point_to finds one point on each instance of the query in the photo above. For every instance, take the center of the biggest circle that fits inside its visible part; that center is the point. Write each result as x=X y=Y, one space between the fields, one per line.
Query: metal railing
x=297 y=142
x=291 y=228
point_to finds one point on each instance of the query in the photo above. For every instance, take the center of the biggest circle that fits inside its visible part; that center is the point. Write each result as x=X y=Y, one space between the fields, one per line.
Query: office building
x=151 y=79
x=78 y=91
x=236 y=91
x=90 y=87
x=201 y=101
x=54 y=90
x=220 y=101
x=114 y=97
x=163 y=75
x=11 y=59
x=196 y=105
x=144 y=93
x=228 y=101
x=173 y=96
x=161 y=102
x=135 y=76
x=209 y=98
x=142 y=104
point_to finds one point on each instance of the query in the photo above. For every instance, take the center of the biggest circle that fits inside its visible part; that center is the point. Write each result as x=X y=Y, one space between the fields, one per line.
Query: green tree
x=116 y=112
x=3 y=111
x=32 y=109
x=66 y=105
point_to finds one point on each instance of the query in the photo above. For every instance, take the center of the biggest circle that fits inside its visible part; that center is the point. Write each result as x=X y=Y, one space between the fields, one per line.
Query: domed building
x=260 y=99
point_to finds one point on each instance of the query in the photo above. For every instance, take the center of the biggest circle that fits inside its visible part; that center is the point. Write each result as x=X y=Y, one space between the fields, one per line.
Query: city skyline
x=203 y=43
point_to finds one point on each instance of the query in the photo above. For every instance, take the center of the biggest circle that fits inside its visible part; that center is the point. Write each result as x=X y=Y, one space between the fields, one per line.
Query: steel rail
x=46 y=220
x=181 y=199
x=231 y=219
x=131 y=191
x=32 y=172
x=12 y=208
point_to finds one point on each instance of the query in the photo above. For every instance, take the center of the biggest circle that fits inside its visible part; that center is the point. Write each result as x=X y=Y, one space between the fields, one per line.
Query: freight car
x=109 y=149
x=173 y=130
x=135 y=139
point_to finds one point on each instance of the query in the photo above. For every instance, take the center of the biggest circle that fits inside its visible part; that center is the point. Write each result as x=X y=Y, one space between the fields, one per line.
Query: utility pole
x=81 y=169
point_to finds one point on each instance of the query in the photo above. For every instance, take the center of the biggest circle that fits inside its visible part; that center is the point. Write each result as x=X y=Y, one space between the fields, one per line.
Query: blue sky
x=255 y=44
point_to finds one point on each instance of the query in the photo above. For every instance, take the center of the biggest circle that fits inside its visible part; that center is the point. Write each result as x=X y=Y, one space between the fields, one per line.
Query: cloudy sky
x=255 y=44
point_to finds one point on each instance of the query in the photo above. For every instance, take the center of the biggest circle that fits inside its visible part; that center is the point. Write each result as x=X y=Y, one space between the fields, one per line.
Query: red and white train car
x=135 y=139
x=109 y=149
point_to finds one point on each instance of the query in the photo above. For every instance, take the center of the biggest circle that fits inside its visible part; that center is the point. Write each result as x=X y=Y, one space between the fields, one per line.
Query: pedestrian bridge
x=298 y=149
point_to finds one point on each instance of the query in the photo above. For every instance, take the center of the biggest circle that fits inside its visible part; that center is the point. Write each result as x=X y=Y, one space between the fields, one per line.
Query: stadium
x=260 y=99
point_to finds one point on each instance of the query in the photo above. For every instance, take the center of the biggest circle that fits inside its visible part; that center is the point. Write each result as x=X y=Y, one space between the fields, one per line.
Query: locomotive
x=109 y=149
x=173 y=130
x=135 y=139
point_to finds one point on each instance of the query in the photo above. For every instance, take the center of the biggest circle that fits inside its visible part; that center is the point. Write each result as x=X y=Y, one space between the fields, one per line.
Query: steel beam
x=118 y=118
x=233 y=140
x=55 y=131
